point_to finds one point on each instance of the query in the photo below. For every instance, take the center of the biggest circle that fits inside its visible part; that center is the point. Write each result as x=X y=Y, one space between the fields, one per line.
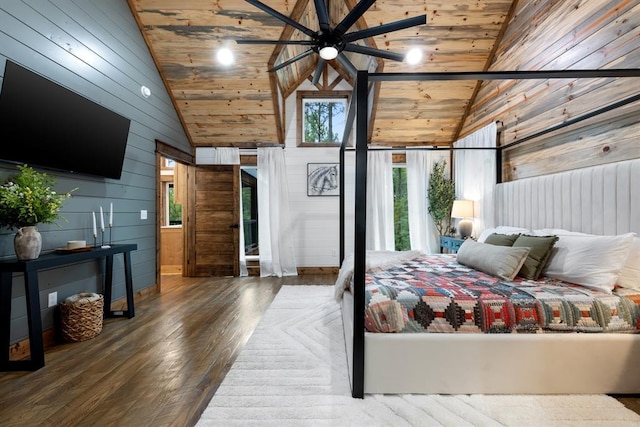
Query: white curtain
x=380 y=235
x=243 y=257
x=274 y=225
x=217 y=156
x=423 y=234
x=475 y=175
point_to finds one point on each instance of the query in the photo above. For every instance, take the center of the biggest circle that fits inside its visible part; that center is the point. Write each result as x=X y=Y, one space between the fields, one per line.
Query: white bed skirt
x=439 y=363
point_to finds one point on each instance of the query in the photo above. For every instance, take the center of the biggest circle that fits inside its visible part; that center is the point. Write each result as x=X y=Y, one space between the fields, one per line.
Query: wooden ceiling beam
x=335 y=83
x=507 y=75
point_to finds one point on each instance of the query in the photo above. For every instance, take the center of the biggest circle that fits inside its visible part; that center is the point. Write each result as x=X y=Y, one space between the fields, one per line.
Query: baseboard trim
x=253 y=269
x=302 y=271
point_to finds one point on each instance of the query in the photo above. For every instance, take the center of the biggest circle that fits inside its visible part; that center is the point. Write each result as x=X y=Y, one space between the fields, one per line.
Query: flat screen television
x=44 y=124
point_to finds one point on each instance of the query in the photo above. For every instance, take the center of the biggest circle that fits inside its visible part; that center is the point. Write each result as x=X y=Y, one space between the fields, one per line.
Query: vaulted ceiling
x=241 y=104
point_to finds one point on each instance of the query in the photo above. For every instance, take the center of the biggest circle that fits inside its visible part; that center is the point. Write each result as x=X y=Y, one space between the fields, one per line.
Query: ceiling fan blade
x=318 y=72
x=353 y=16
x=351 y=115
x=281 y=17
x=374 y=52
x=386 y=28
x=297 y=42
x=323 y=15
x=292 y=60
x=351 y=69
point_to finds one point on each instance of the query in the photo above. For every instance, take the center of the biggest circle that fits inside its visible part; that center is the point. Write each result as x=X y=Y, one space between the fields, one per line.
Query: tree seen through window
x=322 y=117
x=324 y=121
x=400 y=210
x=175 y=210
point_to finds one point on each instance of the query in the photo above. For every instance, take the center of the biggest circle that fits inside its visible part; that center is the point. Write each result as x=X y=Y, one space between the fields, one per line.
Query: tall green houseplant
x=441 y=195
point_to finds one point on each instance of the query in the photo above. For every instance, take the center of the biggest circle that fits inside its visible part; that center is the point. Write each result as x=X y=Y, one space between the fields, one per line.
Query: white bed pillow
x=589 y=260
x=630 y=274
x=501 y=229
x=558 y=232
x=501 y=261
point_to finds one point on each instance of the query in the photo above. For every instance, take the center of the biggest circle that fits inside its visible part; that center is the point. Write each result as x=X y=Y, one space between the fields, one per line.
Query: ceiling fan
x=330 y=43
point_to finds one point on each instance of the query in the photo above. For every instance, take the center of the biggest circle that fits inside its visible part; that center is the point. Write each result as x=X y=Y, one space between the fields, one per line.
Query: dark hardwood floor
x=160 y=368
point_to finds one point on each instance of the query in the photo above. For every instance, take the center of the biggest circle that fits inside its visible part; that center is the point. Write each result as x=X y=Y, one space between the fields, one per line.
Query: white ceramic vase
x=27 y=243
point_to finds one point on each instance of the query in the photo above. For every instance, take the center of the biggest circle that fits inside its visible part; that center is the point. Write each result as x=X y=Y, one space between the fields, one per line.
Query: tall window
x=174 y=210
x=400 y=209
x=321 y=117
x=171 y=211
x=250 y=210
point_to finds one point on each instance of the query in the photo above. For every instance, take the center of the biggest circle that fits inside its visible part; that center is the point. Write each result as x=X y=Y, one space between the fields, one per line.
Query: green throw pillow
x=501 y=239
x=501 y=261
x=539 y=252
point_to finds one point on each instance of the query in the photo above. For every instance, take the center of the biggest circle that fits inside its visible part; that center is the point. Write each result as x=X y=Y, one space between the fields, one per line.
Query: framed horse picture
x=322 y=179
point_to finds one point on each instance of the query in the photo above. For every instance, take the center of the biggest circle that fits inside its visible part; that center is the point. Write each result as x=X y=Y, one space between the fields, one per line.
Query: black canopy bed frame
x=358 y=113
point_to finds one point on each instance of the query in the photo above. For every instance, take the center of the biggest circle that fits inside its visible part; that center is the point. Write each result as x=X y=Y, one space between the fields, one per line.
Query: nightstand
x=451 y=244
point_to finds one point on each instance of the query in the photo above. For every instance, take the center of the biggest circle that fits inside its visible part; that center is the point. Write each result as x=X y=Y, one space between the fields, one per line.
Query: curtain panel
x=380 y=234
x=217 y=156
x=274 y=224
x=475 y=175
x=423 y=234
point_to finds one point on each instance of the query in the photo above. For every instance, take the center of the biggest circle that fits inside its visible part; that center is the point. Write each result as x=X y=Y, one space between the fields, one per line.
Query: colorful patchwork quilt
x=433 y=293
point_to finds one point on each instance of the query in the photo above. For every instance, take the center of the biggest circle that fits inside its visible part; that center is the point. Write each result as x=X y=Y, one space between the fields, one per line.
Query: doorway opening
x=171 y=188
x=249 y=179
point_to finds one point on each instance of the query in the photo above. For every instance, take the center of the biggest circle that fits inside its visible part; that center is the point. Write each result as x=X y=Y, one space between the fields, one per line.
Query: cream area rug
x=293 y=372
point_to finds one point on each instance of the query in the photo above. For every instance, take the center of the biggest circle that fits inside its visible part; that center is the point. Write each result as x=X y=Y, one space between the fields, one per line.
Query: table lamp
x=463 y=209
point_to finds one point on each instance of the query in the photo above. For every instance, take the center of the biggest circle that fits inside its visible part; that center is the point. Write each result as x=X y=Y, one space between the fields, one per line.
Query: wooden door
x=213 y=221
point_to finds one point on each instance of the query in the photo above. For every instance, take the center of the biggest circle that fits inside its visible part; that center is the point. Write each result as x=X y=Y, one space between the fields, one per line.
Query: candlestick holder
x=103 y=245
x=95 y=243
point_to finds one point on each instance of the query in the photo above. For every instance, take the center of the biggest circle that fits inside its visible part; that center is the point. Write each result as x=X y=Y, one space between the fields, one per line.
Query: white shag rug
x=293 y=372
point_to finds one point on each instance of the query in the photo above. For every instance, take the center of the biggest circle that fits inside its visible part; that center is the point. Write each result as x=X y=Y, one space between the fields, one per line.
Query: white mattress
x=434 y=363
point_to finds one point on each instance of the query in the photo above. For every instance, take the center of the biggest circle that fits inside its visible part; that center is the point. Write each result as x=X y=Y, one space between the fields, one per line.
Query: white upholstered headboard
x=598 y=200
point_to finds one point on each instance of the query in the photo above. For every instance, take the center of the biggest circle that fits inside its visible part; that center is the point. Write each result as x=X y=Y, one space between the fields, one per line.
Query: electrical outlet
x=53 y=299
x=143 y=214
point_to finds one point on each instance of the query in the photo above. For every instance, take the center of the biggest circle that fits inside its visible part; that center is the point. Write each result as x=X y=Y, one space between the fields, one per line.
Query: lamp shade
x=462 y=209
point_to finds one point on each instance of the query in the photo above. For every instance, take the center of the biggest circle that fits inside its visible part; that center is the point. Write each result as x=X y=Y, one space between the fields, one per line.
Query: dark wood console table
x=30 y=270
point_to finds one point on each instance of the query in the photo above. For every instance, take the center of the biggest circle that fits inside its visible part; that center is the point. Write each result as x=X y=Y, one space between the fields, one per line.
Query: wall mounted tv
x=44 y=124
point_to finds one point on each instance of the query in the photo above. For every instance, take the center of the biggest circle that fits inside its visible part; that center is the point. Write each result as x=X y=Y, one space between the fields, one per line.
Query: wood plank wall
x=557 y=35
x=95 y=49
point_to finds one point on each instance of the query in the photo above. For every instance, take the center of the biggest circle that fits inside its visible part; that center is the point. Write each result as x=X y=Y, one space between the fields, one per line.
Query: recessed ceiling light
x=225 y=56
x=413 y=56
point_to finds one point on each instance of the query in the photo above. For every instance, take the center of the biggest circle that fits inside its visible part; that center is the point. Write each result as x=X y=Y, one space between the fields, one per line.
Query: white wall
x=315 y=220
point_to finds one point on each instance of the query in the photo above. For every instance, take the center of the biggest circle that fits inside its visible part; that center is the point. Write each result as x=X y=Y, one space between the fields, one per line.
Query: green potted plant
x=26 y=200
x=441 y=194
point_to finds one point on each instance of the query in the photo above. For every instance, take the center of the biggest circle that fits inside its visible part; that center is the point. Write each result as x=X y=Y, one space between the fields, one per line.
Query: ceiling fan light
x=328 y=53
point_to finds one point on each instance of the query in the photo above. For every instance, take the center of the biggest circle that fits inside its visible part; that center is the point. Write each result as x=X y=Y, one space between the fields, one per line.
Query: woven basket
x=81 y=316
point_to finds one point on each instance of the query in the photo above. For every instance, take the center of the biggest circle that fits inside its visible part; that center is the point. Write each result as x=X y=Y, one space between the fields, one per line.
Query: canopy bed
x=598 y=200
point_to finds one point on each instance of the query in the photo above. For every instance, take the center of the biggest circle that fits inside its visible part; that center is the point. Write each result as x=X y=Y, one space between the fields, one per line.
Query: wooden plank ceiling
x=240 y=105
